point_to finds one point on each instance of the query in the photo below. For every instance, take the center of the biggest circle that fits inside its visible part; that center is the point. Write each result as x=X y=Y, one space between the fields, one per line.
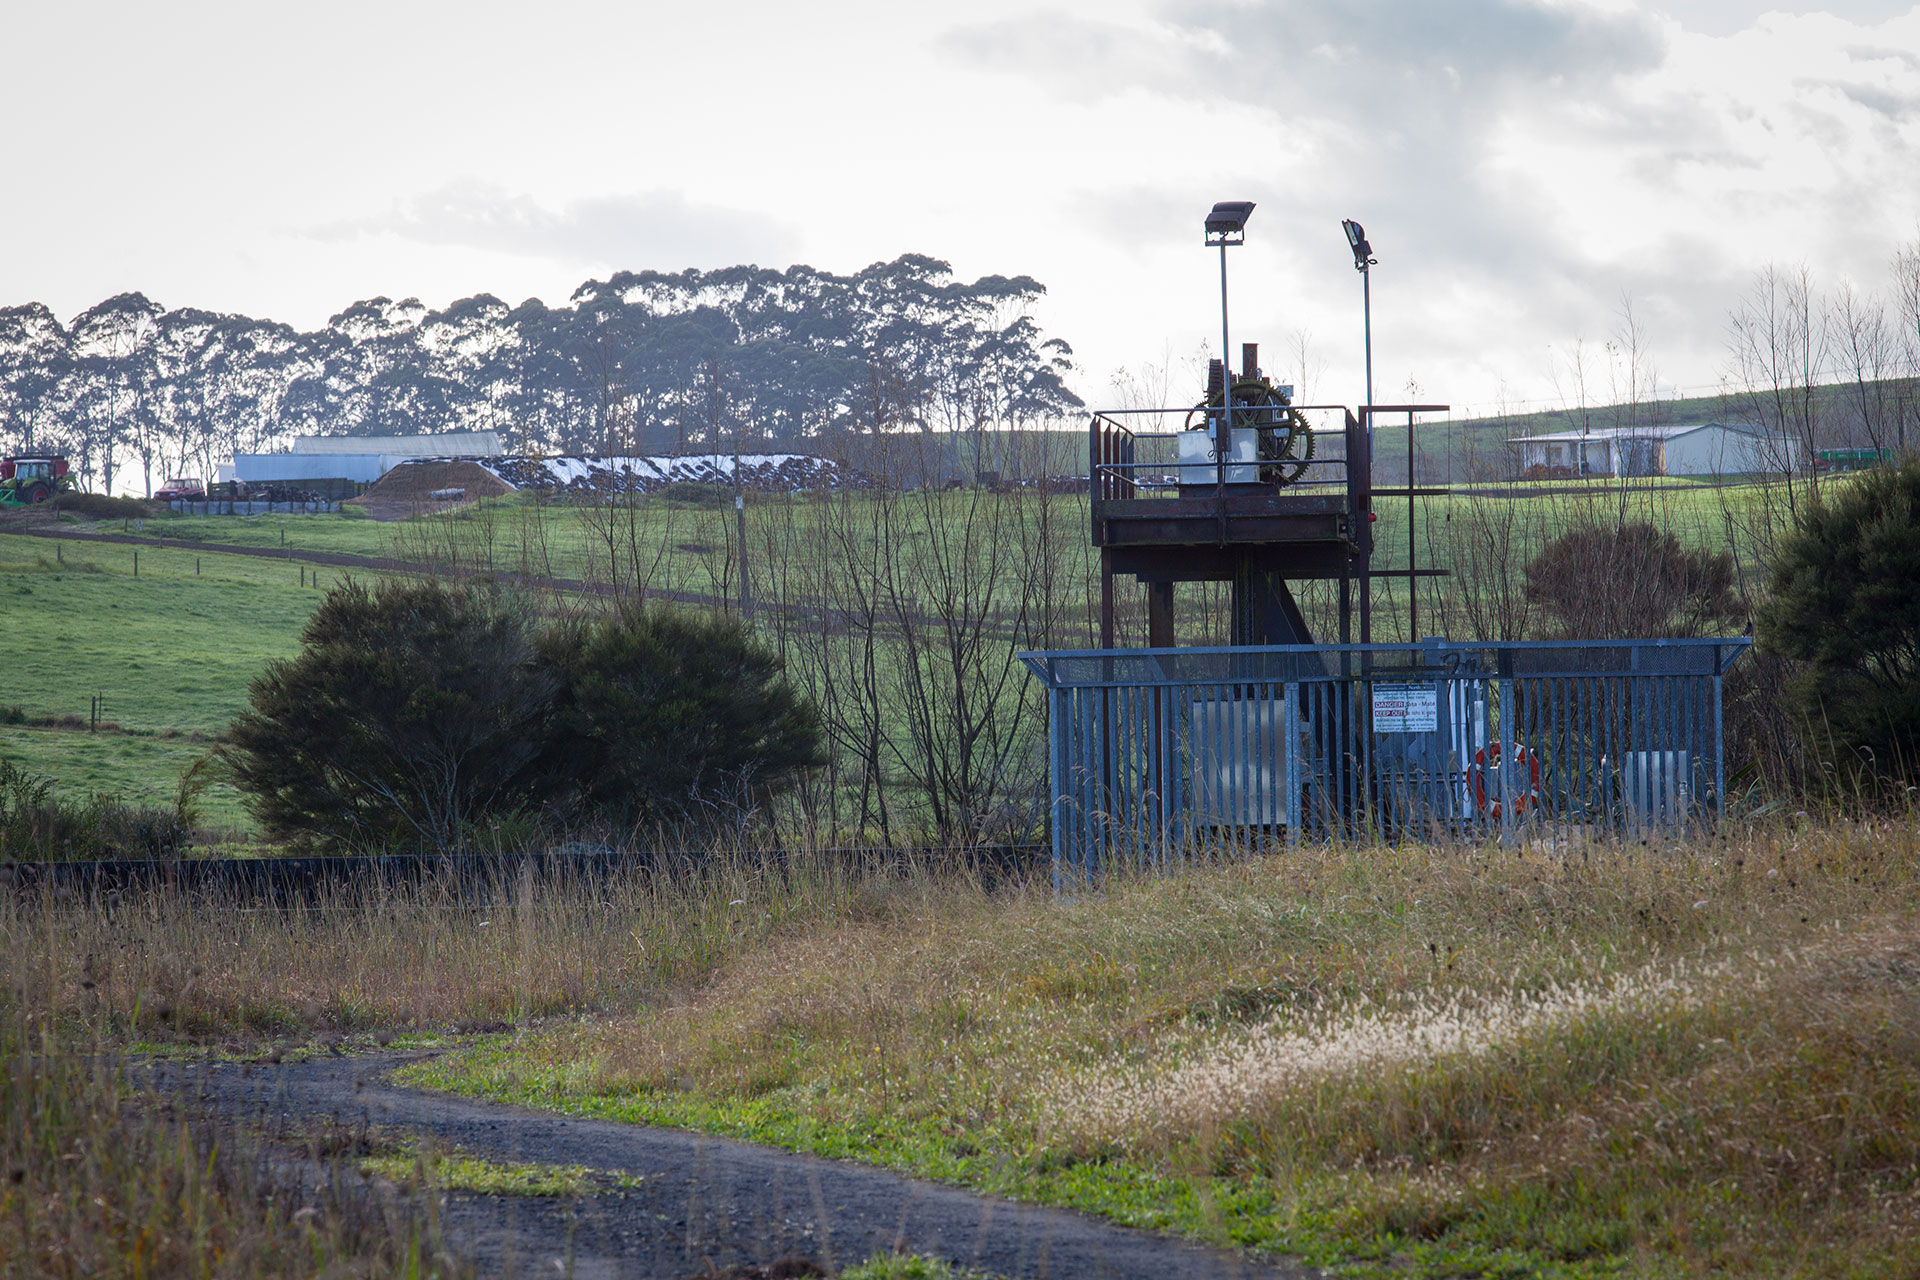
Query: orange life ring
x=1488 y=757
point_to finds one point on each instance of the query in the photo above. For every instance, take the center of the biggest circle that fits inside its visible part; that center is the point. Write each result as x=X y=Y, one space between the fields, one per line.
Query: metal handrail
x=1039 y=661
x=1111 y=446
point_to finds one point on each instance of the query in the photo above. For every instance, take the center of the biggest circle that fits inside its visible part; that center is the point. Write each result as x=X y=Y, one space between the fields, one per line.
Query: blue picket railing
x=1158 y=755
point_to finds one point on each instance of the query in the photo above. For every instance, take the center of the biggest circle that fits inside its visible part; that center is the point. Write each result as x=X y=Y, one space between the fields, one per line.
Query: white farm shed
x=1683 y=449
x=362 y=459
x=448 y=444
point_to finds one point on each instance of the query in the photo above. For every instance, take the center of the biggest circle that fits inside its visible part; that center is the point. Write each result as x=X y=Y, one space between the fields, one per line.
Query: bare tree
x=1307 y=365
x=1778 y=342
x=1631 y=371
x=1906 y=278
x=1868 y=355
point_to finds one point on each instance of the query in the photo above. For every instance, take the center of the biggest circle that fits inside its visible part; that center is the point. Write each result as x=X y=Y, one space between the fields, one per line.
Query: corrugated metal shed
x=270 y=468
x=450 y=444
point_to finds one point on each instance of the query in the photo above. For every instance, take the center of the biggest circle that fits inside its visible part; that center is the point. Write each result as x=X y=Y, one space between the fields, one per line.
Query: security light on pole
x=1362 y=259
x=1226 y=225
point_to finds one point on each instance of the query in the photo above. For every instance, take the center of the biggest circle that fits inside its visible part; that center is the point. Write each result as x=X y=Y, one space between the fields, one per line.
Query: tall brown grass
x=1701 y=1056
x=169 y=967
x=1678 y=1058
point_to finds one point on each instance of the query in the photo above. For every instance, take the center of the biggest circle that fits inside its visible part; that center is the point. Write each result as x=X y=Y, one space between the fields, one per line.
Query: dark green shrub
x=1844 y=606
x=664 y=716
x=409 y=717
x=100 y=506
x=1630 y=581
x=427 y=716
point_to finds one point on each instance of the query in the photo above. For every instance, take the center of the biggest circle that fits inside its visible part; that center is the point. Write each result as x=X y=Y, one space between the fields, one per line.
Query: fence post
x=1290 y=743
x=1507 y=743
x=1056 y=764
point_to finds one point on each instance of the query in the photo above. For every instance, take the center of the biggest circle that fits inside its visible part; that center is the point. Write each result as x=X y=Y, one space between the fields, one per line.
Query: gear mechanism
x=1285 y=440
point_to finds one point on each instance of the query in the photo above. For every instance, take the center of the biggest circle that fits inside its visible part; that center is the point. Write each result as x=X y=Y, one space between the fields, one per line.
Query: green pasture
x=678 y=546
x=172 y=650
x=168 y=654
x=137 y=769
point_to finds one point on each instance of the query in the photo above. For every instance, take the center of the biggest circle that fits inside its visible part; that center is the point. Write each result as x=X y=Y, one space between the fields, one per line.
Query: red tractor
x=32 y=478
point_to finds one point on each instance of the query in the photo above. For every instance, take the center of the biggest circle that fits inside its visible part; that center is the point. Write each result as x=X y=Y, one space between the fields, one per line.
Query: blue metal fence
x=1163 y=754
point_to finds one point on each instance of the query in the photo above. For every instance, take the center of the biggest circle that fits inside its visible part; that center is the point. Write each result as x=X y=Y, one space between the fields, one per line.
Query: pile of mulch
x=408 y=489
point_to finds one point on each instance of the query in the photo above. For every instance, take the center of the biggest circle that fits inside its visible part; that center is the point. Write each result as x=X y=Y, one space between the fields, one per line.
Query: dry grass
x=169 y=968
x=1685 y=1060
x=1694 y=1059
x=105 y=1179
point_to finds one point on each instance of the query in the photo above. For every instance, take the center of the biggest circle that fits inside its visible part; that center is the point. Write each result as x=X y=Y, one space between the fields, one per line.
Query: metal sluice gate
x=1158 y=755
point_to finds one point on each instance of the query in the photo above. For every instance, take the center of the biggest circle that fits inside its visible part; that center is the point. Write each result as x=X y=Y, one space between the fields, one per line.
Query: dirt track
x=706 y=1202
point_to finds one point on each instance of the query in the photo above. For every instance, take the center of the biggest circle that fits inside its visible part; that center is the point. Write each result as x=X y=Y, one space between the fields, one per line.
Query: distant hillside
x=1843 y=416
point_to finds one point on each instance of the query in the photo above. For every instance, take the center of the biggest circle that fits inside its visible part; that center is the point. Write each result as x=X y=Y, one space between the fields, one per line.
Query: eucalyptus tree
x=36 y=353
x=740 y=357
x=112 y=377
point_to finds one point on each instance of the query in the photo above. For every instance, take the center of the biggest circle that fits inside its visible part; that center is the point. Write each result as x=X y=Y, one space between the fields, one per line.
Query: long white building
x=362 y=459
x=1684 y=449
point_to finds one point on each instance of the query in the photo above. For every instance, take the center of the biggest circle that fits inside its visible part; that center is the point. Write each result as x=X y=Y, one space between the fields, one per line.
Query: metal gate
x=1158 y=755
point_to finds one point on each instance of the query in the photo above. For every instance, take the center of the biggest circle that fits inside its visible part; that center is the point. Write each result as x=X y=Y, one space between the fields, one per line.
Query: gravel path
x=708 y=1205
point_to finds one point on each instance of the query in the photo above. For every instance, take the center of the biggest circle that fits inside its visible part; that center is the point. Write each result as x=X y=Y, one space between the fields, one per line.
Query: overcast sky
x=1519 y=165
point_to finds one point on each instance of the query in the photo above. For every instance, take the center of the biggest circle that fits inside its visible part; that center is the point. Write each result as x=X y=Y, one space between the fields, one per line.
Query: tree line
x=740 y=357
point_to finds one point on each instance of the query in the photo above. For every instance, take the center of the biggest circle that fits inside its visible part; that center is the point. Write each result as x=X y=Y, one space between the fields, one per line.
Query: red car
x=184 y=487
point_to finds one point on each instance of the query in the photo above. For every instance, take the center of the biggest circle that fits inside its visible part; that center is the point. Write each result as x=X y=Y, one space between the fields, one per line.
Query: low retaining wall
x=225 y=507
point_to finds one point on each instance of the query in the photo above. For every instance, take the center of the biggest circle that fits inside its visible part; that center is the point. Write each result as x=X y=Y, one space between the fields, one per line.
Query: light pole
x=1226 y=225
x=1362 y=259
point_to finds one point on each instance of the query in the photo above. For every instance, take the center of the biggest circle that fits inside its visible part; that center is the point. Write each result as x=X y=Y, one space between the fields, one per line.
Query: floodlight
x=1357 y=241
x=1227 y=224
x=1362 y=259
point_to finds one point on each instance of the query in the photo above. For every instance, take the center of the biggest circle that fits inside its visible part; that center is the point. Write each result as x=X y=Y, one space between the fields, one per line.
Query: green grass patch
x=457 y=1170
x=139 y=769
x=170 y=649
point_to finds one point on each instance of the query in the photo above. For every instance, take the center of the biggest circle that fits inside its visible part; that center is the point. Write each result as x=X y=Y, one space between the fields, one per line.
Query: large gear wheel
x=1286 y=440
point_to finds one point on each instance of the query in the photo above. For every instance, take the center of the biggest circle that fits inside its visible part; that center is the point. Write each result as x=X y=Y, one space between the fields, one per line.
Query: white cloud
x=1519 y=163
x=606 y=232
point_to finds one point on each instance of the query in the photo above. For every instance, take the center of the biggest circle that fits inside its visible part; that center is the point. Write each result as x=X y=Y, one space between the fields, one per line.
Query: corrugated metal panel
x=448 y=444
x=268 y=468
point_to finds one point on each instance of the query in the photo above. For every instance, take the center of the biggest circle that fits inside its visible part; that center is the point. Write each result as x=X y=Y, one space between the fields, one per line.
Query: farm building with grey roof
x=1682 y=449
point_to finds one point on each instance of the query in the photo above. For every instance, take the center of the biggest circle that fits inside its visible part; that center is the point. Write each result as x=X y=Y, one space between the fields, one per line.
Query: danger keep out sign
x=1406 y=708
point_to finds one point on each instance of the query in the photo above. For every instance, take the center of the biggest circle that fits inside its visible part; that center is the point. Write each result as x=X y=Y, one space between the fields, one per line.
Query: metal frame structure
x=1167 y=521
x=1161 y=755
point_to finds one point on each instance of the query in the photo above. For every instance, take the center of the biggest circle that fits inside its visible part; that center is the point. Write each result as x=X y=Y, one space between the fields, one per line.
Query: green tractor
x=31 y=479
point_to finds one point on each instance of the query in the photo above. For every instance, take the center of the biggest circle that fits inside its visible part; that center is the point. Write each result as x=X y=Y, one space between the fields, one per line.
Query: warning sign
x=1406 y=708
